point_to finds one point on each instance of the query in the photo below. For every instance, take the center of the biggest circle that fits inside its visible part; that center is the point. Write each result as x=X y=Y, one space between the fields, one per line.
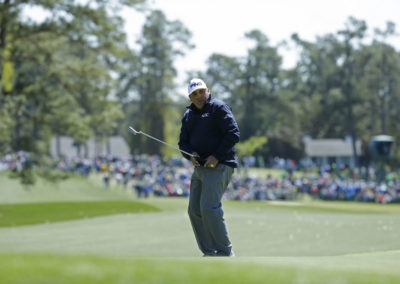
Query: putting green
x=257 y=230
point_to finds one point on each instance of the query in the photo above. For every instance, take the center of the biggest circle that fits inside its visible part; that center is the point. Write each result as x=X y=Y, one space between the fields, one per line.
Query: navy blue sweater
x=210 y=131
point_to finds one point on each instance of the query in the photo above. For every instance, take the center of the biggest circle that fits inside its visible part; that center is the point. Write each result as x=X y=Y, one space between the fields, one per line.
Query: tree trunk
x=3 y=40
x=348 y=94
x=3 y=25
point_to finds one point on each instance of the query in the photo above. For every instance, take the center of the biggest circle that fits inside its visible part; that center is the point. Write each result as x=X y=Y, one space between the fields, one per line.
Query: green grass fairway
x=36 y=213
x=372 y=268
x=107 y=236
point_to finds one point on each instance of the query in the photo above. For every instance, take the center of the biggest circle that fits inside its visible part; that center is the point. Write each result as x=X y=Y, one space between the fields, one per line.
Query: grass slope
x=76 y=188
x=36 y=213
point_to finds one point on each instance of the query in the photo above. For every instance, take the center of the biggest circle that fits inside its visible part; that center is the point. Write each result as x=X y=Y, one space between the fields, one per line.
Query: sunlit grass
x=89 y=269
x=37 y=213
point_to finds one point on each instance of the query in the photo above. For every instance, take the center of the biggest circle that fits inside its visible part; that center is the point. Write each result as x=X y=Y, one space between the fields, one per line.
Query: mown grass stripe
x=89 y=269
x=37 y=213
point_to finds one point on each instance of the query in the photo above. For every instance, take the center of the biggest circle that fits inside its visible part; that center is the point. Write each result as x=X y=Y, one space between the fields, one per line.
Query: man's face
x=199 y=97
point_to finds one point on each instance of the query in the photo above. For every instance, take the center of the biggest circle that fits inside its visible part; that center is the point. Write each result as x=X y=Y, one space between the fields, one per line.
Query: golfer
x=209 y=131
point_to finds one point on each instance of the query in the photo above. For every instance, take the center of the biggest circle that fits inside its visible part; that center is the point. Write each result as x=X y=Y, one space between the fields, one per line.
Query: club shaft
x=165 y=143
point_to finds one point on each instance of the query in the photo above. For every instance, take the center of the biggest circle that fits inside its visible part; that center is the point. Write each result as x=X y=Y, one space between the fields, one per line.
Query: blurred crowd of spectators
x=325 y=186
x=150 y=175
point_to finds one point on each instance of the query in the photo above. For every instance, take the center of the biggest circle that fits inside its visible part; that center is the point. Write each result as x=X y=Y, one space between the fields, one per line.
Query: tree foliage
x=341 y=86
x=56 y=74
x=74 y=74
x=161 y=42
x=250 y=146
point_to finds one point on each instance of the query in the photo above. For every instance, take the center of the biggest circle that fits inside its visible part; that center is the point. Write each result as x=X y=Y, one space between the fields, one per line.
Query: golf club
x=133 y=131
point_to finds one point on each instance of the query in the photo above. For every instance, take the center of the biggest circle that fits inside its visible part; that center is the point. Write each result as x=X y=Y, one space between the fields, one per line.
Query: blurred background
x=76 y=74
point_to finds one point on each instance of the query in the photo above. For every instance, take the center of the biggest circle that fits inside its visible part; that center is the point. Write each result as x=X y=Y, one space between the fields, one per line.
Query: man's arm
x=184 y=144
x=184 y=139
x=228 y=126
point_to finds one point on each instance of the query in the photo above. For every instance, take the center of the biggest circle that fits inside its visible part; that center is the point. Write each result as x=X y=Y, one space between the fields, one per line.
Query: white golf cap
x=195 y=84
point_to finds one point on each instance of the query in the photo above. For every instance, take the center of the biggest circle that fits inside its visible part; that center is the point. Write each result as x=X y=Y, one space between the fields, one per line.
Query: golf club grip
x=201 y=161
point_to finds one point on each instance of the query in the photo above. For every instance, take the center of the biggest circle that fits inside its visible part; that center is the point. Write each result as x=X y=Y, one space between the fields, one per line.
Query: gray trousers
x=205 y=209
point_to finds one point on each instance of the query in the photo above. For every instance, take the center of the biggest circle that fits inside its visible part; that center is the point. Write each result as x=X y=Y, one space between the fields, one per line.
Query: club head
x=133 y=131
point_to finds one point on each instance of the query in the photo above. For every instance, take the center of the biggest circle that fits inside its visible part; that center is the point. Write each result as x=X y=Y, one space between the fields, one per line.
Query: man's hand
x=194 y=161
x=211 y=162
